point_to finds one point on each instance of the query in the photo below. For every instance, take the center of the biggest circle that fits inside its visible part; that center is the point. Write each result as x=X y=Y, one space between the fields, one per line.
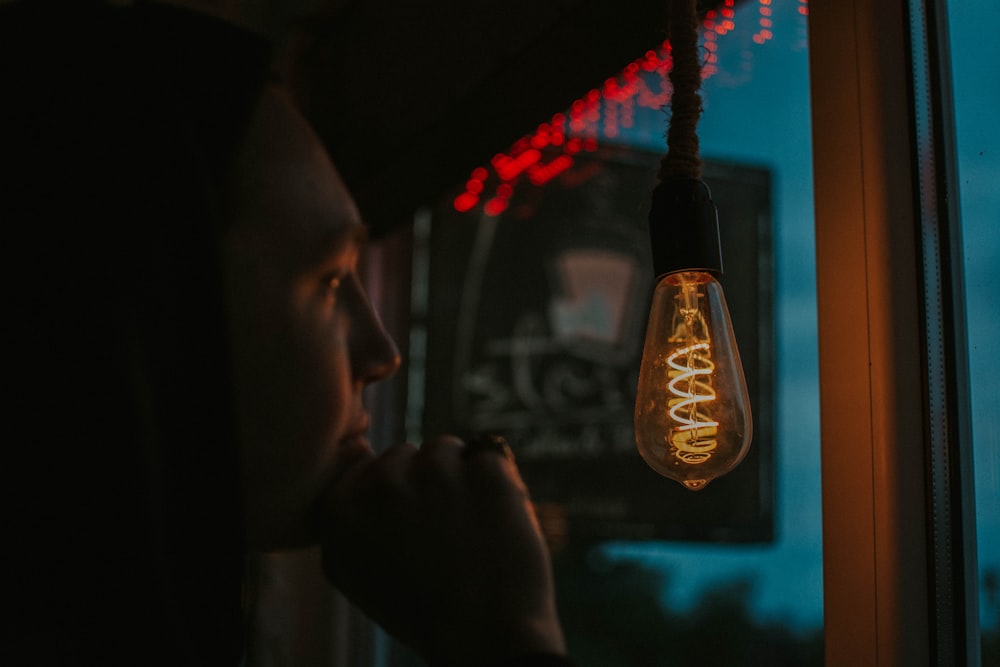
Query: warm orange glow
x=692 y=412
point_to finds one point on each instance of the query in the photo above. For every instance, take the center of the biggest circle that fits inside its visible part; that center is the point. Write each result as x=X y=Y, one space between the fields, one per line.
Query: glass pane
x=974 y=50
x=538 y=283
x=763 y=599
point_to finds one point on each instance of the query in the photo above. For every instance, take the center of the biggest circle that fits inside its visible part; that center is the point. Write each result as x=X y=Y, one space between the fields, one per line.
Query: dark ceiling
x=409 y=96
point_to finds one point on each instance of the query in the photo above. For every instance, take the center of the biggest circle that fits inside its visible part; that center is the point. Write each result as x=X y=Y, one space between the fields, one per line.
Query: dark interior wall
x=410 y=95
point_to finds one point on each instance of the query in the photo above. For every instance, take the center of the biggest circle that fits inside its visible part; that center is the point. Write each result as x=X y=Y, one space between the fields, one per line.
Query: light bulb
x=692 y=410
x=691 y=418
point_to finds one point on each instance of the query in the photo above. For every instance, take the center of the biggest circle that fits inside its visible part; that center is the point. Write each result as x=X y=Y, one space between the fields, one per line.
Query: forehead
x=286 y=193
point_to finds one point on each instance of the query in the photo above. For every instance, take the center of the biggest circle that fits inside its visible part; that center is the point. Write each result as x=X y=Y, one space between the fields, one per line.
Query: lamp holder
x=684 y=228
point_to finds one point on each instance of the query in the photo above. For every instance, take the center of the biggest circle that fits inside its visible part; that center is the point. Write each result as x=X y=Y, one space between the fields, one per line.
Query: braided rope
x=682 y=159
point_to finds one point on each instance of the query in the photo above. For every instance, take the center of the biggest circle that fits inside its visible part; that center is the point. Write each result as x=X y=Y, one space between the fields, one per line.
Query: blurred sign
x=535 y=327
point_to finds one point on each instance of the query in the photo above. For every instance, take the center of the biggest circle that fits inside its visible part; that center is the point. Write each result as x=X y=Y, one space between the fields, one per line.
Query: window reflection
x=977 y=96
x=522 y=340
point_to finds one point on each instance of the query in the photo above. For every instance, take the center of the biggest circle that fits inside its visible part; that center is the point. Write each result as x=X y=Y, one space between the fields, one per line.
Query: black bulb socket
x=684 y=228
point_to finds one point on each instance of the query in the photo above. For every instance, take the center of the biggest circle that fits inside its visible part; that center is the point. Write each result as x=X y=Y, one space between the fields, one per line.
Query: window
x=704 y=586
x=976 y=96
x=899 y=561
x=859 y=578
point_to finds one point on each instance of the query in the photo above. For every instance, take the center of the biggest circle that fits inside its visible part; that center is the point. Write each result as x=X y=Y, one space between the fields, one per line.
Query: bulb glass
x=692 y=410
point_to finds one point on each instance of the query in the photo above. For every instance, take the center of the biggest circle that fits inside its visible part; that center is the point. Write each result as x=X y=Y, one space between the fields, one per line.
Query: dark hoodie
x=117 y=127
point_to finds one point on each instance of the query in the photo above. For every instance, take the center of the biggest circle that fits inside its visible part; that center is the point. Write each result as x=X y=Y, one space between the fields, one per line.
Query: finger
x=443 y=450
x=395 y=462
x=375 y=481
x=439 y=475
x=489 y=456
x=489 y=444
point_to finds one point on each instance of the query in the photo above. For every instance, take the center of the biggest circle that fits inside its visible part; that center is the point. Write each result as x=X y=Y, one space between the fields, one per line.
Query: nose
x=374 y=355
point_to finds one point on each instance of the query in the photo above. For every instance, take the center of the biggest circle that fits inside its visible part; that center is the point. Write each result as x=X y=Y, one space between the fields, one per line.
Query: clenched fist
x=443 y=550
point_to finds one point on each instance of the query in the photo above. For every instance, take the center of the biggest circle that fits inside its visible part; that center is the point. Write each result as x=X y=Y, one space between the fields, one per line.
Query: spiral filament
x=690 y=385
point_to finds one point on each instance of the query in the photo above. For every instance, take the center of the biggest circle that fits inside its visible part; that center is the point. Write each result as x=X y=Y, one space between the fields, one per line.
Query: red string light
x=599 y=114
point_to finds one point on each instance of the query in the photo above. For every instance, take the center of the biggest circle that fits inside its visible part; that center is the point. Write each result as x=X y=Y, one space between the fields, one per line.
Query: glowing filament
x=690 y=385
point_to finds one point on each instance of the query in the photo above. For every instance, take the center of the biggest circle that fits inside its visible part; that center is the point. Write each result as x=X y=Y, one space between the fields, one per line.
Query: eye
x=332 y=284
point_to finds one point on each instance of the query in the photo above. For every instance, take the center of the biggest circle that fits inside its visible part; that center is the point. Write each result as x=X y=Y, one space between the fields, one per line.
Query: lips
x=353 y=452
x=359 y=428
x=354 y=445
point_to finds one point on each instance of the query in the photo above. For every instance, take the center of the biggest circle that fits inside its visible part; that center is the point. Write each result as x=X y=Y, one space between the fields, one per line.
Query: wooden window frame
x=898 y=544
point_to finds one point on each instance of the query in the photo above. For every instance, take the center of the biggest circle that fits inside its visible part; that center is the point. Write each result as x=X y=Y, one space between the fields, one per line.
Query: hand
x=444 y=552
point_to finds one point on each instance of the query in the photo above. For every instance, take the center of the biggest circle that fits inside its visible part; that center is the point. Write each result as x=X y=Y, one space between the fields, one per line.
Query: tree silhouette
x=990 y=581
x=615 y=616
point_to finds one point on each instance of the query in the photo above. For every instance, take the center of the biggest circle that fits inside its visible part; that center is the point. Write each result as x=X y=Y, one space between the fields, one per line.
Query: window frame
x=898 y=542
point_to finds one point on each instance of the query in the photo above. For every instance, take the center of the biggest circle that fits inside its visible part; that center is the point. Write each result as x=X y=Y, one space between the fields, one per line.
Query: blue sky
x=975 y=53
x=757 y=112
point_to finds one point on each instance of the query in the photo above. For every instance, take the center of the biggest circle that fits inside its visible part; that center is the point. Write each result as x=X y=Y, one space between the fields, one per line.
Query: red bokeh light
x=599 y=114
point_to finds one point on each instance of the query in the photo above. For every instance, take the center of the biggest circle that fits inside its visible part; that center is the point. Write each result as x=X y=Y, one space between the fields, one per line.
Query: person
x=190 y=343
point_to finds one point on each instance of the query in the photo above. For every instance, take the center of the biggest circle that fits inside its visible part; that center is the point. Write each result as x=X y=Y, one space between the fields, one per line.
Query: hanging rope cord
x=682 y=159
